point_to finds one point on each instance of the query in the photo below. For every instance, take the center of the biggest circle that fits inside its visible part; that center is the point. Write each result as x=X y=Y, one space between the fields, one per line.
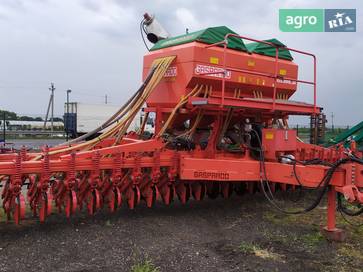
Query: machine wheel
x=226 y=189
x=167 y=194
x=45 y=206
x=240 y=188
x=183 y=192
x=151 y=196
x=71 y=203
x=213 y=190
x=19 y=209
x=94 y=202
x=198 y=190
x=133 y=197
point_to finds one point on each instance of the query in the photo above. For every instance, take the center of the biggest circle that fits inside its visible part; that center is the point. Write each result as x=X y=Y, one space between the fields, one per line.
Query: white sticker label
x=171 y=72
x=286 y=81
x=211 y=71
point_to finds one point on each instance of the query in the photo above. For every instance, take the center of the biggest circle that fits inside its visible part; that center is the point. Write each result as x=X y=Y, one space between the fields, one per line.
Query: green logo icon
x=301 y=20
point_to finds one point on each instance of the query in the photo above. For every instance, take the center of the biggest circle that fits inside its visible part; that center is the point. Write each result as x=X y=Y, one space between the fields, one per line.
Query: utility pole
x=332 y=121
x=4 y=128
x=67 y=117
x=52 y=112
x=50 y=107
x=105 y=98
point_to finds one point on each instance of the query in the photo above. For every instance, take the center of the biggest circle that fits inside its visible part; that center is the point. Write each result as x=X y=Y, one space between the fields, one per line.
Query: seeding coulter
x=221 y=111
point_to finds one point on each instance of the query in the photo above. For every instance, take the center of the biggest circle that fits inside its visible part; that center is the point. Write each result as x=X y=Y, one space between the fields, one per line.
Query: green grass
x=146 y=266
x=254 y=249
x=312 y=239
x=248 y=248
x=349 y=250
x=3 y=217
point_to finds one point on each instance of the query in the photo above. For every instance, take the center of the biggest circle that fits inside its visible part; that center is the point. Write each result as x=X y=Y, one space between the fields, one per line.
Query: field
x=238 y=234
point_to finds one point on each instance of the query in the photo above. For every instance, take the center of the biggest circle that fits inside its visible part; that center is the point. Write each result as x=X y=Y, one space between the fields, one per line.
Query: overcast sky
x=94 y=48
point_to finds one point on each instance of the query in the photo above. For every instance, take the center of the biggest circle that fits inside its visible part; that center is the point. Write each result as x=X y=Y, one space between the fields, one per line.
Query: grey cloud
x=94 y=48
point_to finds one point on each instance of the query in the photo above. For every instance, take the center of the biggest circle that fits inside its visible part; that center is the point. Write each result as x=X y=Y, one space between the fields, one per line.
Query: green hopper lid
x=216 y=34
x=268 y=50
x=209 y=36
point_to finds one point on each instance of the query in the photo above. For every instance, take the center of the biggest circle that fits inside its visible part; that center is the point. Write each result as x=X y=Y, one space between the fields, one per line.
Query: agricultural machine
x=221 y=110
x=355 y=133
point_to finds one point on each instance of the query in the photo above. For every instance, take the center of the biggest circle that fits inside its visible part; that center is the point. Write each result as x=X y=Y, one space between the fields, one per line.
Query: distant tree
x=57 y=119
x=25 y=118
x=13 y=116
x=8 y=115
x=29 y=118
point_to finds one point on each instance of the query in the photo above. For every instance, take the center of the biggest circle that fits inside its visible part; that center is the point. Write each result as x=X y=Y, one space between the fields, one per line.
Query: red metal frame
x=275 y=76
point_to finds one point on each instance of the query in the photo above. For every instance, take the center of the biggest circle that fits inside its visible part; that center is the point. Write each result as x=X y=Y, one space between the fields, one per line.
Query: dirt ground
x=238 y=234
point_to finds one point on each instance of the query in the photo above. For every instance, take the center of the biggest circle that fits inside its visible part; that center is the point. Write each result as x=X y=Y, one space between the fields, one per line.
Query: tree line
x=9 y=115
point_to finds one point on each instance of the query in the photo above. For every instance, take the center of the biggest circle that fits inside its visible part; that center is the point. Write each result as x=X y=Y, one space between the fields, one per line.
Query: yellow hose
x=181 y=103
x=143 y=124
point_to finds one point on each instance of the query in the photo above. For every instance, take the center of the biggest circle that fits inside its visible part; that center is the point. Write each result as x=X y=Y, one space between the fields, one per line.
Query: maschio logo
x=317 y=20
x=340 y=20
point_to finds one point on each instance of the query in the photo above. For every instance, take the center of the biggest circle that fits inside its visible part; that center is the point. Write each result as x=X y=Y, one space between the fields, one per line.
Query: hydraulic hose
x=324 y=183
x=128 y=113
x=113 y=119
x=346 y=210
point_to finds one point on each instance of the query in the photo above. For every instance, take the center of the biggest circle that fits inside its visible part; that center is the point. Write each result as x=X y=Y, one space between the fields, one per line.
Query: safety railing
x=275 y=76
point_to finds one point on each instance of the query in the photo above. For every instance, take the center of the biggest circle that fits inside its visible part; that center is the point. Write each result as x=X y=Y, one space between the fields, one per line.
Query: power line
x=20 y=87
x=76 y=92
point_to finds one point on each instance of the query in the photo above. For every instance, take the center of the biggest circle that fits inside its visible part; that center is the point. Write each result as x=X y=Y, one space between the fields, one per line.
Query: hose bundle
x=117 y=125
x=323 y=184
